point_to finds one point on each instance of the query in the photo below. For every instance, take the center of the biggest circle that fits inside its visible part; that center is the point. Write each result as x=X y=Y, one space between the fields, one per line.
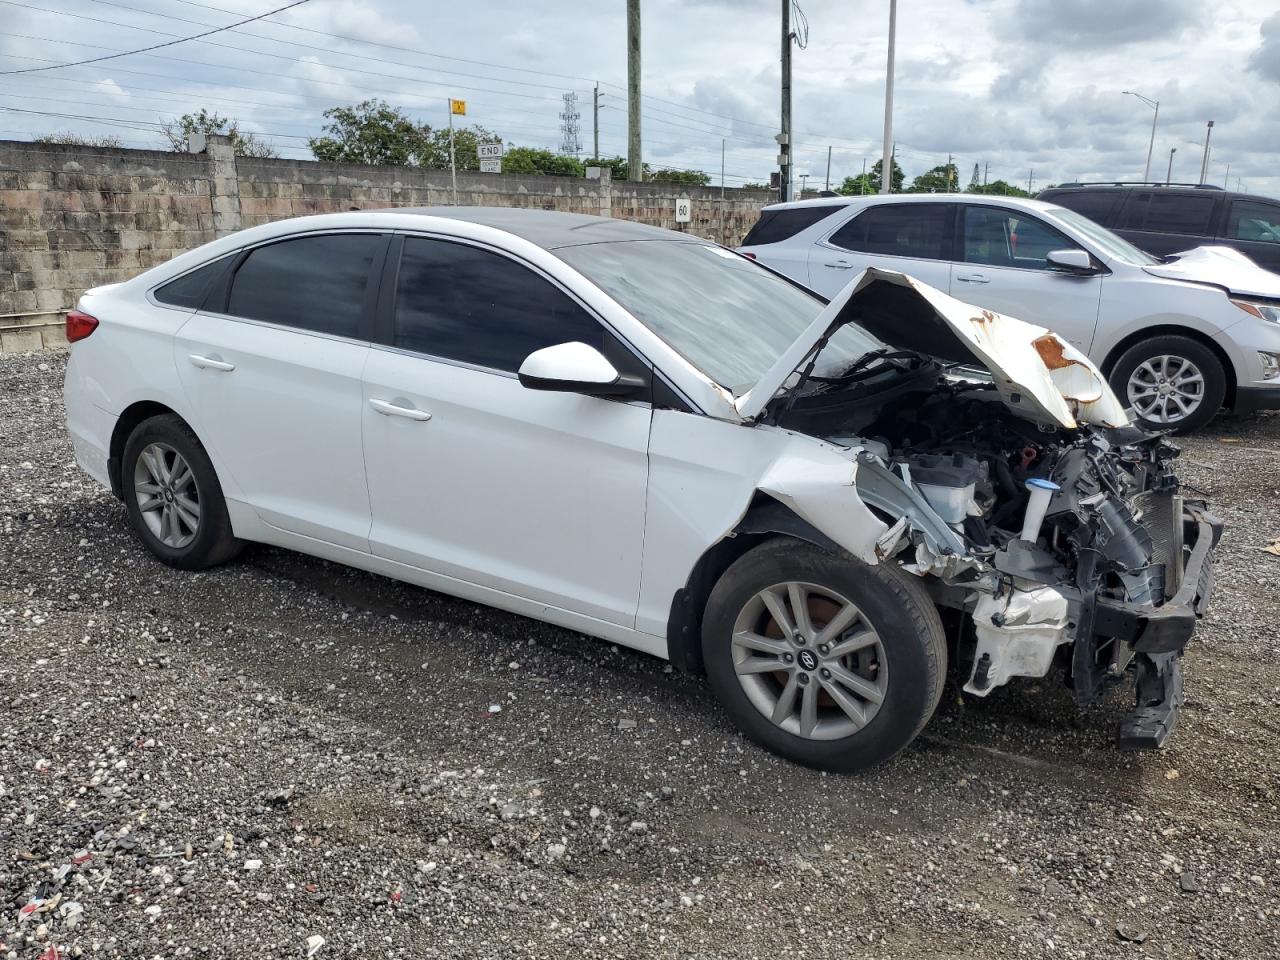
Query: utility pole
x=1030 y=180
x=784 y=138
x=1226 y=179
x=595 y=124
x=886 y=161
x=1204 y=163
x=828 y=186
x=949 y=173
x=1168 y=177
x=986 y=169
x=635 y=165
x=862 y=184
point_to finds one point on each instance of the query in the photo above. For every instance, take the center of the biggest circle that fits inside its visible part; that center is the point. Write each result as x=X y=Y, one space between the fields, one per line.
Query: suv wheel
x=1171 y=382
x=821 y=658
x=173 y=497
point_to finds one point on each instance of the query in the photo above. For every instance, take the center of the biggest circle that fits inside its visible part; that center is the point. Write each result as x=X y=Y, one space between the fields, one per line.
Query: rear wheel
x=1171 y=382
x=173 y=497
x=821 y=658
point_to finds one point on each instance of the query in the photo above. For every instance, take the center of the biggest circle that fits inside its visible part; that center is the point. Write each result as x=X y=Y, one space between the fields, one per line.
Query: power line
x=157 y=46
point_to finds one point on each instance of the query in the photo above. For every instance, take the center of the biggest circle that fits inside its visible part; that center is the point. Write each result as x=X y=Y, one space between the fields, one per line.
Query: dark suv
x=1163 y=219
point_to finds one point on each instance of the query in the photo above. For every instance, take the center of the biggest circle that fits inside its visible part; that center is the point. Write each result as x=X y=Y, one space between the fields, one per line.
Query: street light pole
x=1168 y=177
x=886 y=161
x=1154 y=104
x=1204 y=163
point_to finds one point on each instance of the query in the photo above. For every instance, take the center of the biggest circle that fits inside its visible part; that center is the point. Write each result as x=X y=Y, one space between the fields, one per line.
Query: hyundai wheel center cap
x=808 y=659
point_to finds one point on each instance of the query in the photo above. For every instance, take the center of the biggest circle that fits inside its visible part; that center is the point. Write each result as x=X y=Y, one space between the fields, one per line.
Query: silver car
x=1178 y=338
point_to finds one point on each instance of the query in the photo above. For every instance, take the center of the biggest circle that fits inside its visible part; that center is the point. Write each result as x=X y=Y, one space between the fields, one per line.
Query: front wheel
x=821 y=658
x=1171 y=382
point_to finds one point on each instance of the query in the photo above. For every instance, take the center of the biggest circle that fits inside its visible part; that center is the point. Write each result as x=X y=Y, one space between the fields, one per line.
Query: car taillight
x=80 y=325
x=749 y=256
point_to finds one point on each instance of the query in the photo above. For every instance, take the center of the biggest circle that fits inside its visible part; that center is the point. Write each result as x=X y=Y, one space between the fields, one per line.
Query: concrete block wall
x=74 y=217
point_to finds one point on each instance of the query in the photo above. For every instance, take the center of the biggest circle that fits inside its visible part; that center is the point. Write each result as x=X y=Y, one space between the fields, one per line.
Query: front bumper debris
x=1158 y=636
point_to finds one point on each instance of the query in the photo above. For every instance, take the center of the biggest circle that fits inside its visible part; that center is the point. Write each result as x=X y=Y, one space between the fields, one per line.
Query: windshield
x=1110 y=244
x=727 y=315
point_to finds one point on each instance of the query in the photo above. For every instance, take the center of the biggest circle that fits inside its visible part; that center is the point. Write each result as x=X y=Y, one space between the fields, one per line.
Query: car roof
x=549 y=229
x=1021 y=203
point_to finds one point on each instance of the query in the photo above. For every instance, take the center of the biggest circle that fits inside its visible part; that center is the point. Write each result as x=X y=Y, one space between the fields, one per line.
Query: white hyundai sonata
x=653 y=440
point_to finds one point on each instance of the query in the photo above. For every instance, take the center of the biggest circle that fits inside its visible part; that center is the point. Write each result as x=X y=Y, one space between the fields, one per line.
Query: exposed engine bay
x=1068 y=547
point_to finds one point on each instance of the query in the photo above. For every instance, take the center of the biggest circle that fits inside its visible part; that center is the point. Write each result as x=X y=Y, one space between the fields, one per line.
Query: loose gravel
x=283 y=758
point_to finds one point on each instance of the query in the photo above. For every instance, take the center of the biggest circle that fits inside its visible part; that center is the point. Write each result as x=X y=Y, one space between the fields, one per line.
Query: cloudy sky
x=1026 y=88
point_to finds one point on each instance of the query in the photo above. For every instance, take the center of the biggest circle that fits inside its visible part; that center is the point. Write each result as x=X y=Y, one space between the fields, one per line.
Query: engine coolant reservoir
x=947 y=481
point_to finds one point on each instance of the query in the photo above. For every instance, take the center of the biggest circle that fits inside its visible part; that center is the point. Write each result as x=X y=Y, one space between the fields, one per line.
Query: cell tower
x=570 y=145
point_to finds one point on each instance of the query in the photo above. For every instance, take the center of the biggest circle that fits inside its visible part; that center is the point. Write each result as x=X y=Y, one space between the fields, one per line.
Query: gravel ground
x=230 y=763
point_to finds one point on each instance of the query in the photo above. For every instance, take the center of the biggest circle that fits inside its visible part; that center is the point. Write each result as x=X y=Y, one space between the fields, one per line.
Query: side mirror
x=1070 y=261
x=577 y=368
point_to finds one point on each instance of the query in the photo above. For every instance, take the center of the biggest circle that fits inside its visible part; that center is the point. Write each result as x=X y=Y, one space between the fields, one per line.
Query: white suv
x=1179 y=338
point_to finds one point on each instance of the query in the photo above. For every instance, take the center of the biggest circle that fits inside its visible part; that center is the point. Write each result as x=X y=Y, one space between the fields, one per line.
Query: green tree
x=178 y=131
x=1000 y=188
x=374 y=132
x=944 y=178
x=756 y=186
x=544 y=162
x=618 y=166
x=869 y=183
x=693 y=178
x=465 y=140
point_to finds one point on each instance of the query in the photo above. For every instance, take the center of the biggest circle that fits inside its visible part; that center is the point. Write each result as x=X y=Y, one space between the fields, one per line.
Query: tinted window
x=189 y=290
x=1007 y=238
x=463 y=303
x=1179 y=213
x=1098 y=205
x=1254 y=220
x=1135 y=211
x=897 y=230
x=314 y=283
x=776 y=225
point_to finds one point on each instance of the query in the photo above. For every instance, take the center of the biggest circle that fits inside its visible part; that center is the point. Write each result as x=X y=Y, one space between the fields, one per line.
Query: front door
x=272 y=373
x=1003 y=268
x=471 y=475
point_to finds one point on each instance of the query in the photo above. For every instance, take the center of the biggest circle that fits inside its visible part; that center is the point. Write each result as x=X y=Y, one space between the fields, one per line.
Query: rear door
x=775 y=242
x=272 y=367
x=1163 y=222
x=913 y=238
x=1253 y=227
x=1003 y=268
x=475 y=477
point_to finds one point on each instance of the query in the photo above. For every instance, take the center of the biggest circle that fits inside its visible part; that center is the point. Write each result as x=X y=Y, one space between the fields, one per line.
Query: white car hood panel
x=1220 y=267
x=1039 y=375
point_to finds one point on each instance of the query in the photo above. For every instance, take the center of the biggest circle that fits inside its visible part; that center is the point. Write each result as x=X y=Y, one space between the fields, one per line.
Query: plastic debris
x=495 y=708
x=71 y=912
x=1273 y=548
x=27 y=911
x=81 y=857
x=314 y=943
x=51 y=952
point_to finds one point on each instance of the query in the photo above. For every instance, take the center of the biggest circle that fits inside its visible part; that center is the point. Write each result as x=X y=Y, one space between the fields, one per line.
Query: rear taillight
x=80 y=325
x=749 y=256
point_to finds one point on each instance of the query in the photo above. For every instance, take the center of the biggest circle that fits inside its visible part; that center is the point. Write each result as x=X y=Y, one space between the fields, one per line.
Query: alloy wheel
x=809 y=660
x=167 y=496
x=1166 y=389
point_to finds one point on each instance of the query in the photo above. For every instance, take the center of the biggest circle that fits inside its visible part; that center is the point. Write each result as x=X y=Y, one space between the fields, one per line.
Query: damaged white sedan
x=650 y=439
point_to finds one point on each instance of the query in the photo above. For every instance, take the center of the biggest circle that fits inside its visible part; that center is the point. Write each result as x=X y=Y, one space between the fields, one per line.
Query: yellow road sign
x=458 y=107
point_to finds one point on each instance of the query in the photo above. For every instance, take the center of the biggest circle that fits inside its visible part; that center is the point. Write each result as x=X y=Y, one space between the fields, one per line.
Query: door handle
x=388 y=409
x=210 y=363
x=839 y=265
x=973 y=278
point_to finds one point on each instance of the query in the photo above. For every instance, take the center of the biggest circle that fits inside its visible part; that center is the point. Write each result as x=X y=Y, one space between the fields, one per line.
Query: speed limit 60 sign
x=684 y=209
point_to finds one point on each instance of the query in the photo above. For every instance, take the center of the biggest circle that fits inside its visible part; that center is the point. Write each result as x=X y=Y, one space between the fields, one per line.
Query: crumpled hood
x=1220 y=267
x=1039 y=375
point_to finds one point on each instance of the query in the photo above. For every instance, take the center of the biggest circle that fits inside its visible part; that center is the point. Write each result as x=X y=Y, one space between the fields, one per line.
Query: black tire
x=1172 y=345
x=213 y=542
x=897 y=608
